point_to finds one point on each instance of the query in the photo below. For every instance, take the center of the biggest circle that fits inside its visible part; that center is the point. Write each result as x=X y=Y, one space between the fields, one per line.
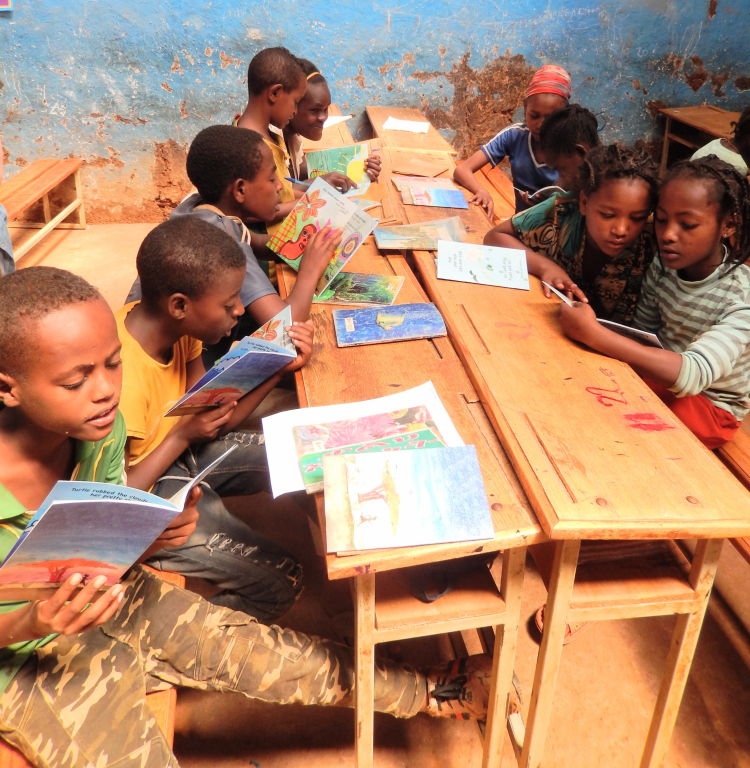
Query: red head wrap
x=550 y=79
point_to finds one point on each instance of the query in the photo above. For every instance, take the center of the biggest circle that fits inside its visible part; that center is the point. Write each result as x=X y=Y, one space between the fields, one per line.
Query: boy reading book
x=72 y=666
x=191 y=278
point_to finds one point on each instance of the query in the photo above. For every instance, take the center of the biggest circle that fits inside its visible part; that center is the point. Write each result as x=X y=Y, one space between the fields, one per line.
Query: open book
x=248 y=364
x=422 y=236
x=436 y=193
x=88 y=528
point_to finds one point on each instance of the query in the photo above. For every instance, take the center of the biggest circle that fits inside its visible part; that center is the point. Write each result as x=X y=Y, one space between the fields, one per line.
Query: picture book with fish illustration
x=423 y=236
x=249 y=363
x=356 y=288
x=322 y=205
x=401 y=322
x=89 y=528
x=402 y=430
x=483 y=264
x=407 y=499
x=436 y=193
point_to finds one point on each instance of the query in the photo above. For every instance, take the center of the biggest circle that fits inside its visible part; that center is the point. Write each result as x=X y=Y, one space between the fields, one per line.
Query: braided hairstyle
x=615 y=161
x=729 y=189
x=741 y=137
x=564 y=128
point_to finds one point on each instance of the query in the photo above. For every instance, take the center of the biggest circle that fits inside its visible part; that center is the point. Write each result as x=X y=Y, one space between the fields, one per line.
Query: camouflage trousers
x=80 y=702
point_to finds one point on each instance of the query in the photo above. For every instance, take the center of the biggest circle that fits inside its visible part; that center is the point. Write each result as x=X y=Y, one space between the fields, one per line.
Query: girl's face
x=312 y=112
x=689 y=228
x=616 y=214
x=537 y=107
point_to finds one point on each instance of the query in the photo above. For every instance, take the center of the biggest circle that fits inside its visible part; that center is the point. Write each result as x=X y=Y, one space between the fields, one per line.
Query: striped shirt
x=708 y=323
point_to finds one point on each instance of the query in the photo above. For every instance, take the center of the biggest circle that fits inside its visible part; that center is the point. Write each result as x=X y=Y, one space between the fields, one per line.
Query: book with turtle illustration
x=319 y=206
x=403 y=430
x=401 y=322
x=483 y=264
x=407 y=499
x=356 y=288
x=423 y=236
x=436 y=193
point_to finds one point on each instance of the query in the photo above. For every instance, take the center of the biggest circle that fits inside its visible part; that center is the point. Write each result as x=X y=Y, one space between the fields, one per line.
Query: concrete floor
x=607 y=683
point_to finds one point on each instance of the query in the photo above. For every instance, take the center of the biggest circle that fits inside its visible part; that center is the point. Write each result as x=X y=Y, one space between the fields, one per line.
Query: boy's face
x=284 y=103
x=260 y=197
x=537 y=107
x=72 y=375
x=212 y=316
x=567 y=166
x=312 y=112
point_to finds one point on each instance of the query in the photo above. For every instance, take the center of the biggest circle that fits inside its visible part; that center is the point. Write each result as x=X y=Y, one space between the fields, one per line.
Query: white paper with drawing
x=483 y=264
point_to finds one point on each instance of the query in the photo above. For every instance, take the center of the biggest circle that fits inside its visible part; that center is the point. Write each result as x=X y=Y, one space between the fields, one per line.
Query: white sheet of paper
x=482 y=264
x=413 y=126
x=283 y=464
x=335 y=120
x=559 y=294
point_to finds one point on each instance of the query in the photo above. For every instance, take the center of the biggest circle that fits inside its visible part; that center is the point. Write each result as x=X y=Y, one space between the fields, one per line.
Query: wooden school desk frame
x=417 y=142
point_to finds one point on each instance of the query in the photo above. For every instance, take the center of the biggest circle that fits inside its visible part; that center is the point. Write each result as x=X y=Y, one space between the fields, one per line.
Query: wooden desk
x=415 y=141
x=692 y=127
x=335 y=136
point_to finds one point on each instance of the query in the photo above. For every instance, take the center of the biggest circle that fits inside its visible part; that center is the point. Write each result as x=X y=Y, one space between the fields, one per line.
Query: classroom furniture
x=500 y=188
x=415 y=141
x=736 y=456
x=162 y=703
x=693 y=127
x=36 y=182
x=336 y=136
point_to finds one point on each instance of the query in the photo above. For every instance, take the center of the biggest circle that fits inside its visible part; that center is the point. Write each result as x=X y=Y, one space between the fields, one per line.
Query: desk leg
x=364 y=667
x=506 y=636
x=681 y=651
x=548 y=661
x=665 y=148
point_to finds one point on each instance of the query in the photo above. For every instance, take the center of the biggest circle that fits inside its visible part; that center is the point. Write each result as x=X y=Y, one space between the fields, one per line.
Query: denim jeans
x=255 y=575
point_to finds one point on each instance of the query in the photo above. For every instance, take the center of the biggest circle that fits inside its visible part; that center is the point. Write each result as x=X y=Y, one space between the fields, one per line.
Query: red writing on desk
x=607 y=397
x=647 y=422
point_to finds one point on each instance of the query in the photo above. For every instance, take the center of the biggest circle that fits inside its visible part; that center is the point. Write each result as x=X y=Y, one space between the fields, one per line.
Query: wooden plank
x=36 y=185
x=430 y=140
x=712 y=120
x=335 y=136
x=364 y=660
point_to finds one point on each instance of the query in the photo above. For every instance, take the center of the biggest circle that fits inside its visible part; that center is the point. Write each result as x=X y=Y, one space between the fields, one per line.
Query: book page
x=412 y=126
x=483 y=264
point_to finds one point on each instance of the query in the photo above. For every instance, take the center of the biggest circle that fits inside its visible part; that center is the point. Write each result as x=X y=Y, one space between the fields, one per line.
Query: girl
x=596 y=246
x=697 y=297
x=548 y=90
x=312 y=112
x=736 y=151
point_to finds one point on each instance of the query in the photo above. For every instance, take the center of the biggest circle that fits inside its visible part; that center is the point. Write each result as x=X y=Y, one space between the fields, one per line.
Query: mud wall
x=127 y=85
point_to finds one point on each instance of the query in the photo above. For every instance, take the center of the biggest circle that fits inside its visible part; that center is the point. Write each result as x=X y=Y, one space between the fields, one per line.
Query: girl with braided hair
x=696 y=296
x=595 y=245
x=735 y=151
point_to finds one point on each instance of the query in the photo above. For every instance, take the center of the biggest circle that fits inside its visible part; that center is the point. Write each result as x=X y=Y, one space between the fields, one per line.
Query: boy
x=69 y=672
x=275 y=84
x=191 y=277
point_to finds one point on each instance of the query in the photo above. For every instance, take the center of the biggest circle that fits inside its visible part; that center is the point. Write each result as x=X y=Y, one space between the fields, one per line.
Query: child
x=735 y=152
x=7 y=263
x=73 y=675
x=191 y=277
x=548 y=90
x=275 y=84
x=696 y=296
x=312 y=112
x=597 y=247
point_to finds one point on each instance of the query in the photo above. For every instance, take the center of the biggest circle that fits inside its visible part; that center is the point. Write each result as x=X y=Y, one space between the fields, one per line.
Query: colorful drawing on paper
x=356 y=288
x=6 y=5
x=423 y=236
x=398 y=323
x=436 y=193
x=349 y=161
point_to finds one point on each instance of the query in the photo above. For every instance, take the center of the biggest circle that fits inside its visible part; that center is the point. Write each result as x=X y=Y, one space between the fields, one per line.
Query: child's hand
x=372 y=166
x=319 y=250
x=181 y=528
x=58 y=616
x=339 y=180
x=579 y=322
x=558 y=278
x=482 y=197
x=203 y=427
x=302 y=335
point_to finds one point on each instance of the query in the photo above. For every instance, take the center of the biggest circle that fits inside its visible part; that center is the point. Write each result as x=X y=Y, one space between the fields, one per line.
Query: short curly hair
x=271 y=66
x=615 y=161
x=28 y=295
x=185 y=255
x=221 y=154
x=311 y=72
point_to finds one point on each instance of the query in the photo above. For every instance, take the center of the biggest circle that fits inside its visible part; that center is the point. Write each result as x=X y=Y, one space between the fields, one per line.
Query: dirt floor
x=608 y=680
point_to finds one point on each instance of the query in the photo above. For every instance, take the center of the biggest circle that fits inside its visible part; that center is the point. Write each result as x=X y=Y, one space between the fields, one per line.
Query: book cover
x=402 y=322
x=423 y=236
x=405 y=429
x=642 y=337
x=356 y=288
x=436 y=193
x=350 y=161
x=406 y=499
x=249 y=363
x=482 y=264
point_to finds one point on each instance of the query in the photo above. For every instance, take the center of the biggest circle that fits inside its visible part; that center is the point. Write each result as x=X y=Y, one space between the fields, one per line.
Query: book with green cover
x=356 y=288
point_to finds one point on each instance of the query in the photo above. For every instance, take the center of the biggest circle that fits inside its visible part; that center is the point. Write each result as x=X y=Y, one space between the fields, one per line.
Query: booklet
x=403 y=322
x=88 y=528
x=355 y=288
x=483 y=264
x=406 y=499
x=322 y=205
x=350 y=161
x=249 y=363
x=423 y=236
x=436 y=193
x=335 y=120
x=412 y=126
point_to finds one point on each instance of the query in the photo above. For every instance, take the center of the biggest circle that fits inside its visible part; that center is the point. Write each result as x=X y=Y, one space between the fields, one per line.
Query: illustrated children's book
x=322 y=205
x=405 y=429
x=249 y=363
x=88 y=528
x=483 y=264
x=423 y=236
x=349 y=160
x=402 y=322
x=405 y=499
x=356 y=288
x=437 y=193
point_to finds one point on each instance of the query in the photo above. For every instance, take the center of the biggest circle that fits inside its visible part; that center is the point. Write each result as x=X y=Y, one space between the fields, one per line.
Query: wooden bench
x=500 y=188
x=736 y=456
x=35 y=183
x=162 y=703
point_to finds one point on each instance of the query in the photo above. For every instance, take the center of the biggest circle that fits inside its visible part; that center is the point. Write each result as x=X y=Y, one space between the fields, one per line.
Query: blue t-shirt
x=529 y=175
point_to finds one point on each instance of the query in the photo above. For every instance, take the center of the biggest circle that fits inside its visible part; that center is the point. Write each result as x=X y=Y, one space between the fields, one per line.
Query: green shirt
x=104 y=462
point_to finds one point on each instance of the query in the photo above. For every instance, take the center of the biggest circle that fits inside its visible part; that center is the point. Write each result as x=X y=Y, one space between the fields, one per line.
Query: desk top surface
x=712 y=120
x=430 y=140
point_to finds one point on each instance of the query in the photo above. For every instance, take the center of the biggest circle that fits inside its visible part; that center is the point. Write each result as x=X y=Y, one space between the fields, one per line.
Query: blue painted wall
x=114 y=82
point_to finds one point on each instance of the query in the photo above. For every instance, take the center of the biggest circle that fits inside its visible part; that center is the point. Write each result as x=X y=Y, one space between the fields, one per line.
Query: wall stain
x=742 y=83
x=177 y=67
x=713 y=4
x=697 y=78
x=166 y=87
x=227 y=61
x=718 y=82
x=169 y=175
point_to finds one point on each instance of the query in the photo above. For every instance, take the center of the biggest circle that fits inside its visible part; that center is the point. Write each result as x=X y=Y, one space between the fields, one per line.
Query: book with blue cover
x=402 y=322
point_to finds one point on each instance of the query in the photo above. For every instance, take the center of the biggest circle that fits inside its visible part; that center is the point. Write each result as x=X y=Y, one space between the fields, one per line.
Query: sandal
x=571 y=630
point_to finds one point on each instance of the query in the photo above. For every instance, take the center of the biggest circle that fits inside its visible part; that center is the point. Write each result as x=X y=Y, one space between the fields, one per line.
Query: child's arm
x=464 y=175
